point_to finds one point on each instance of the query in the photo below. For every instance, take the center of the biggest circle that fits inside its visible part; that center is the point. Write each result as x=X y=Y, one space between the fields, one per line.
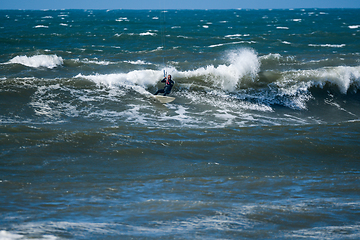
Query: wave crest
x=37 y=61
x=243 y=65
x=137 y=80
x=340 y=76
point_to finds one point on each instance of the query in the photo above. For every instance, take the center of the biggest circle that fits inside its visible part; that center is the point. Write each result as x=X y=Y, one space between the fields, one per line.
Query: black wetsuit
x=167 y=89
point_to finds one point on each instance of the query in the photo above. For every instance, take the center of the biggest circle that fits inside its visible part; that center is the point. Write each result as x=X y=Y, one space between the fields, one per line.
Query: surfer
x=168 y=85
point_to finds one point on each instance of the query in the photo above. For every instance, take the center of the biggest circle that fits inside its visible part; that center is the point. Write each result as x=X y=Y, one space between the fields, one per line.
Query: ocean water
x=262 y=141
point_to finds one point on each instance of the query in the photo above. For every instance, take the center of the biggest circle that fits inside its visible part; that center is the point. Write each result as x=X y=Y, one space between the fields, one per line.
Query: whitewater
x=261 y=142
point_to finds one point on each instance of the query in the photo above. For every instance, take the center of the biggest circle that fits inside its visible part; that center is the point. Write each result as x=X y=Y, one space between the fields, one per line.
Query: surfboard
x=163 y=99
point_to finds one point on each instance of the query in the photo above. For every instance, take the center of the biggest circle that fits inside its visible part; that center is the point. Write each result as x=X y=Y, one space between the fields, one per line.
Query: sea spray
x=243 y=64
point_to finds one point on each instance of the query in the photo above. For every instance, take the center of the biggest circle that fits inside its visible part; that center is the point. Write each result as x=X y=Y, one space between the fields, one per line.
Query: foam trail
x=48 y=61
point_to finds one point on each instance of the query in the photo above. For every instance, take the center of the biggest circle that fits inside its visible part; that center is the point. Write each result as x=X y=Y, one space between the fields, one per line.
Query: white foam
x=122 y=19
x=271 y=56
x=243 y=62
x=147 y=34
x=296 y=84
x=138 y=62
x=182 y=115
x=341 y=76
x=233 y=35
x=105 y=63
x=225 y=115
x=181 y=36
x=354 y=26
x=48 y=61
x=231 y=43
x=137 y=80
x=237 y=35
x=328 y=45
x=133 y=115
x=41 y=26
x=4 y=235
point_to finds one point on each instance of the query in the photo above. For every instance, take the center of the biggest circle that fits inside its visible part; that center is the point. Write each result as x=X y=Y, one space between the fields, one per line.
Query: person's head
x=169 y=76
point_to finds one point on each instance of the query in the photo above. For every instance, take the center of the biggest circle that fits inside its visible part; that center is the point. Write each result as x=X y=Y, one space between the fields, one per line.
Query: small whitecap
x=122 y=19
x=354 y=26
x=41 y=26
x=328 y=45
x=233 y=35
x=147 y=34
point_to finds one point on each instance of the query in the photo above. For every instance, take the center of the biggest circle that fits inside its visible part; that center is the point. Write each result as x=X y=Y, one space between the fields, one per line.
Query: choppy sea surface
x=262 y=141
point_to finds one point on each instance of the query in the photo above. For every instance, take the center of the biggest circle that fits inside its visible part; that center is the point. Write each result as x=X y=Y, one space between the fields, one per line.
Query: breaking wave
x=37 y=61
x=137 y=80
x=243 y=65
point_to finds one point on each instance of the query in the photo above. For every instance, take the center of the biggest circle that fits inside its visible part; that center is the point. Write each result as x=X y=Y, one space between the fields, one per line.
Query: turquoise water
x=262 y=141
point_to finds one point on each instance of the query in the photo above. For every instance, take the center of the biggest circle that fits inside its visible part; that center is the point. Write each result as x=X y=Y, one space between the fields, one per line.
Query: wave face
x=261 y=142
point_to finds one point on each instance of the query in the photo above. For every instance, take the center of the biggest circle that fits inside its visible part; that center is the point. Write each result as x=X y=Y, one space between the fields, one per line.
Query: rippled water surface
x=261 y=142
